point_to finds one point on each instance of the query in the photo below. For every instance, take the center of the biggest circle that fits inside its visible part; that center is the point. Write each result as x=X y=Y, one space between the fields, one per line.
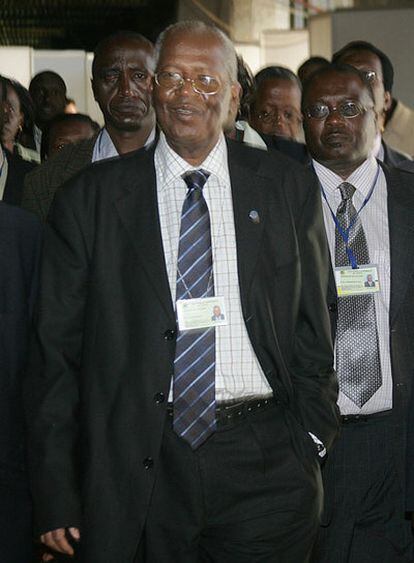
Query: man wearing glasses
x=378 y=70
x=368 y=212
x=195 y=440
x=276 y=106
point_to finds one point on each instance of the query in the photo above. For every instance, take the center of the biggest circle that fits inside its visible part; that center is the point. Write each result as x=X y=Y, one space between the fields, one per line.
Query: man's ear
x=387 y=101
x=93 y=89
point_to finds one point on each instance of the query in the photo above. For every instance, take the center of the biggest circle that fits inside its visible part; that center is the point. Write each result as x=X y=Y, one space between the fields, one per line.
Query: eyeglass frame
x=363 y=109
x=190 y=80
x=276 y=115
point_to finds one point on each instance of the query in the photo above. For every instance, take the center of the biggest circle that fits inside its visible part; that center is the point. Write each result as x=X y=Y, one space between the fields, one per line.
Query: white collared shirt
x=378 y=149
x=4 y=170
x=374 y=218
x=105 y=148
x=238 y=373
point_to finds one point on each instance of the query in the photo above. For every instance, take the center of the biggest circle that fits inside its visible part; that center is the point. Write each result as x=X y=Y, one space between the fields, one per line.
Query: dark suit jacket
x=41 y=185
x=295 y=150
x=105 y=340
x=20 y=235
x=17 y=170
x=400 y=187
x=394 y=158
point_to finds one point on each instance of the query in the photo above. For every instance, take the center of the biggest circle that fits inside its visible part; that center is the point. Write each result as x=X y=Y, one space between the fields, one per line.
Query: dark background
x=79 y=24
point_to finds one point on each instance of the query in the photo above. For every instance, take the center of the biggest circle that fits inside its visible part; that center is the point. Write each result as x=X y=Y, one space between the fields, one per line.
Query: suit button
x=169 y=334
x=332 y=307
x=159 y=398
x=148 y=462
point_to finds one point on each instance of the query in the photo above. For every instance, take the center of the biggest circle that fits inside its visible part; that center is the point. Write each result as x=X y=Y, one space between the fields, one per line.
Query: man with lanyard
x=368 y=212
x=122 y=71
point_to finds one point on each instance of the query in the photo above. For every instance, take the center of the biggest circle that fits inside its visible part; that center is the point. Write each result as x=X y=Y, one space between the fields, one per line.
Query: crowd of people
x=207 y=309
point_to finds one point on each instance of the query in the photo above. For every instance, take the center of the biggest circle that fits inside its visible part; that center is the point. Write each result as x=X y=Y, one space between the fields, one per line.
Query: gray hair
x=197 y=27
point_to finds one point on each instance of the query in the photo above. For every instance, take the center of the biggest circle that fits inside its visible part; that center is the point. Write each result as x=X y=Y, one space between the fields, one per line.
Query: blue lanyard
x=345 y=232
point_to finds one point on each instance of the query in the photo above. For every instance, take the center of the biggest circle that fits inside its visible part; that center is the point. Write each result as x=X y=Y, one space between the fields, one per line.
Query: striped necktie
x=194 y=366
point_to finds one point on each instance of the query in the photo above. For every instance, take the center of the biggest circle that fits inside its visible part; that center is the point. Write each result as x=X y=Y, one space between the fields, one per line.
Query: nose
x=125 y=88
x=186 y=87
x=334 y=116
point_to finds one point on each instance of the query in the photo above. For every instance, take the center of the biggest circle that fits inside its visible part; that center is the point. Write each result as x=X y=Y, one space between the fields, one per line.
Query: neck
x=128 y=141
x=9 y=145
x=342 y=169
x=194 y=155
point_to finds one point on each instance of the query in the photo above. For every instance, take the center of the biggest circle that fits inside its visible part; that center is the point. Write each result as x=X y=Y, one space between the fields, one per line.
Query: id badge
x=357 y=281
x=205 y=312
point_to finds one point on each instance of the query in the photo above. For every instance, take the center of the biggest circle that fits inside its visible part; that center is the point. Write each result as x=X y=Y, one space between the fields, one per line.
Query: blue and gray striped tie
x=195 y=357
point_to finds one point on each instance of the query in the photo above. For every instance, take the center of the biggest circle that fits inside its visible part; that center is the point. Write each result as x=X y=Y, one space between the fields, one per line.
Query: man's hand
x=57 y=539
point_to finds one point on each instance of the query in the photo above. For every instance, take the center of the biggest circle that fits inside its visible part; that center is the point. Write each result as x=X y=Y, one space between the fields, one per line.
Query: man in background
x=378 y=70
x=276 y=106
x=122 y=71
x=368 y=211
x=20 y=241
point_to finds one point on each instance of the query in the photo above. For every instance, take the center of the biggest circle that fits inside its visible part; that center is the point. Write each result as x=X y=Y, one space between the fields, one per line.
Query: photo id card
x=357 y=281
x=204 y=312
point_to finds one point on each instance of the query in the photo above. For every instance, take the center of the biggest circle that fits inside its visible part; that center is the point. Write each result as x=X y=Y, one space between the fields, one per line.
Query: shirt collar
x=362 y=178
x=105 y=148
x=378 y=149
x=171 y=166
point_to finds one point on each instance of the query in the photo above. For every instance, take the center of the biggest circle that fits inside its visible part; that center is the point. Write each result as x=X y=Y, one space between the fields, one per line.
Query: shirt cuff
x=319 y=445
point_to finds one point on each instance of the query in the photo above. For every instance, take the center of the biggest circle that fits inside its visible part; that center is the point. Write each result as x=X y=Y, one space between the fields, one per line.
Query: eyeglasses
x=201 y=84
x=370 y=75
x=349 y=110
x=269 y=117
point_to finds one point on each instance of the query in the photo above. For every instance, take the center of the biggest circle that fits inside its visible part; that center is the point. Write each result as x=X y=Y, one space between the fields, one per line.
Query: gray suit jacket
x=41 y=185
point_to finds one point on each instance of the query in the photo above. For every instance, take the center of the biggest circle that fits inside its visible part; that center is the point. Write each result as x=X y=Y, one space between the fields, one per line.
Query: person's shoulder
x=266 y=162
x=109 y=178
x=13 y=217
x=400 y=184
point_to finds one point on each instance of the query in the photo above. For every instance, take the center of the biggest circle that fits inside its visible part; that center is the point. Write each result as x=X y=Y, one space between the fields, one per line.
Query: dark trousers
x=246 y=495
x=364 y=519
x=16 y=529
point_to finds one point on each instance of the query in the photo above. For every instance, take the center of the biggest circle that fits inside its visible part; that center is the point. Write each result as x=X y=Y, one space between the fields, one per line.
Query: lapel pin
x=254 y=217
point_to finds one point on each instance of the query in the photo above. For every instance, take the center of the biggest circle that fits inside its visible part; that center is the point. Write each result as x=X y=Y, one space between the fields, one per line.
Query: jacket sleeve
x=52 y=382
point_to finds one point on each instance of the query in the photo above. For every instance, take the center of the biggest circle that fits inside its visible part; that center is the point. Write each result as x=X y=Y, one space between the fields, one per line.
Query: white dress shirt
x=238 y=373
x=105 y=148
x=4 y=170
x=374 y=218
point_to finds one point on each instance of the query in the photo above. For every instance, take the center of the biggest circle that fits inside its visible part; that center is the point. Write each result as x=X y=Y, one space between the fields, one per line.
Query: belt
x=231 y=411
x=356 y=418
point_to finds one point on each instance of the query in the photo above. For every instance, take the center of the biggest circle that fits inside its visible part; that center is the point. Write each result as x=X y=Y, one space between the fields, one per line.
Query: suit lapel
x=248 y=189
x=401 y=229
x=138 y=211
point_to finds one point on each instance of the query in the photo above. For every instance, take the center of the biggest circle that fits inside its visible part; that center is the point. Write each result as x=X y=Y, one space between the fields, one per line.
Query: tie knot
x=196 y=179
x=347 y=190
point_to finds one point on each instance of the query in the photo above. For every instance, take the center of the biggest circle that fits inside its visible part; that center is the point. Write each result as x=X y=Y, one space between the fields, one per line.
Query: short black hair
x=340 y=68
x=248 y=88
x=64 y=118
x=113 y=38
x=26 y=136
x=282 y=72
x=319 y=61
x=386 y=64
x=51 y=74
x=3 y=85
